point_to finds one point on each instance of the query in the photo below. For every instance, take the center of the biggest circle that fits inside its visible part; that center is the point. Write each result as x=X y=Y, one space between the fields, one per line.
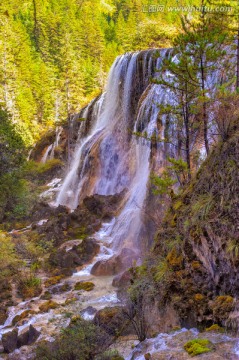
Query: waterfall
x=108 y=158
x=50 y=150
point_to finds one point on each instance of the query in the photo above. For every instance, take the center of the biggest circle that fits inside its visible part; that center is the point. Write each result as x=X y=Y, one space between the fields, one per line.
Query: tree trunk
x=237 y=79
x=205 y=121
x=187 y=144
x=35 y=31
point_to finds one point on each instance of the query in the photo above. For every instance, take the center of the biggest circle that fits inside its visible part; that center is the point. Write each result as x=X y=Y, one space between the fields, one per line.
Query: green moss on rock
x=84 y=285
x=198 y=346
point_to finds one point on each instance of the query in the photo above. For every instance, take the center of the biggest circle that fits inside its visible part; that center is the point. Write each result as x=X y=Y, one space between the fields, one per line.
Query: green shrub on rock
x=82 y=340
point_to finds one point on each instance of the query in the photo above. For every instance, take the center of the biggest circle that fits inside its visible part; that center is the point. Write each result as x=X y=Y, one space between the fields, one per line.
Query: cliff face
x=196 y=249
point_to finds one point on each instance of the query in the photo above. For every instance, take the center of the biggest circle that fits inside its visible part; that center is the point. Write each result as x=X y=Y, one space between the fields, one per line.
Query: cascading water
x=109 y=159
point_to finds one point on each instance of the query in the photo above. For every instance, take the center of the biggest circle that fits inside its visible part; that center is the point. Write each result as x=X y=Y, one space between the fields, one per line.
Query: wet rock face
x=204 y=279
x=103 y=206
x=9 y=341
x=116 y=264
x=77 y=256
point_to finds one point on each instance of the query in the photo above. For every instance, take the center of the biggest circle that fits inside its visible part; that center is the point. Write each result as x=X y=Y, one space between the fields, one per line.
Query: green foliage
x=29 y=285
x=198 y=346
x=82 y=340
x=161 y=270
x=57 y=54
x=34 y=169
x=110 y=355
x=162 y=185
x=175 y=173
x=8 y=257
x=202 y=207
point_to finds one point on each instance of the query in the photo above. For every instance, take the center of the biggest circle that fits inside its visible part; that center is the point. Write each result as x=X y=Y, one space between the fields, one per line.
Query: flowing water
x=108 y=158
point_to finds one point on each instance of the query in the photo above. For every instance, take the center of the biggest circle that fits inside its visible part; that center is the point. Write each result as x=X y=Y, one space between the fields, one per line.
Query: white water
x=120 y=160
x=50 y=150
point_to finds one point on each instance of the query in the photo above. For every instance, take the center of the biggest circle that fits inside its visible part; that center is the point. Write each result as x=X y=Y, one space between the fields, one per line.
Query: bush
x=8 y=258
x=110 y=355
x=82 y=340
x=29 y=286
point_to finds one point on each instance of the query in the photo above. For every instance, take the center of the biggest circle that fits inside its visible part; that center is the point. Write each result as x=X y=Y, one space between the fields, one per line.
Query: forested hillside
x=55 y=54
x=119 y=182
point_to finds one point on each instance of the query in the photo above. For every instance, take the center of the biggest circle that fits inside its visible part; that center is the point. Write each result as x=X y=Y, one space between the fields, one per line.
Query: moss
x=199 y=297
x=48 y=305
x=76 y=318
x=174 y=260
x=198 y=346
x=34 y=168
x=53 y=280
x=70 y=301
x=46 y=296
x=22 y=316
x=215 y=328
x=196 y=265
x=86 y=286
x=222 y=305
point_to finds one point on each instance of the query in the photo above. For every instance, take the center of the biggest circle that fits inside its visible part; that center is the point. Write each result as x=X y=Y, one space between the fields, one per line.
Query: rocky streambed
x=81 y=294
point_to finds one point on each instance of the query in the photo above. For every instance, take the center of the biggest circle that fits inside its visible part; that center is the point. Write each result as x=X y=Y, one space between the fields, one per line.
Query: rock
x=59 y=289
x=84 y=285
x=88 y=312
x=22 y=316
x=9 y=341
x=53 y=280
x=115 y=264
x=46 y=296
x=1 y=349
x=22 y=339
x=102 y=205
x=78 y=255
x=122 y=280
x=3 y=316
x=48 y=305
x=113 y=321
x=33 y=335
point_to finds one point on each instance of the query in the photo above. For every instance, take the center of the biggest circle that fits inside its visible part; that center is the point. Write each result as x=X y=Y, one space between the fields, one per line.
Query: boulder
x=102 y=205
x=84 y=285
x=33 y=335
x=116 y=264
x=113 y=321
x=88 y=312
x=78 y=255
x=48 y=305
x=9 y=341
x=61 y=288
x=122 y=280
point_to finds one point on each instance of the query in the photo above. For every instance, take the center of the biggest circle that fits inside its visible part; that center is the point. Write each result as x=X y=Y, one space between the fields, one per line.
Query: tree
x=204 y=40
x=182 y=108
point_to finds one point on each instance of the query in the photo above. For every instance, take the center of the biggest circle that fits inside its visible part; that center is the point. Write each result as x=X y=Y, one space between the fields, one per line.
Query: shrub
x=110 y=355
x=29 y=286
x=82 y=340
